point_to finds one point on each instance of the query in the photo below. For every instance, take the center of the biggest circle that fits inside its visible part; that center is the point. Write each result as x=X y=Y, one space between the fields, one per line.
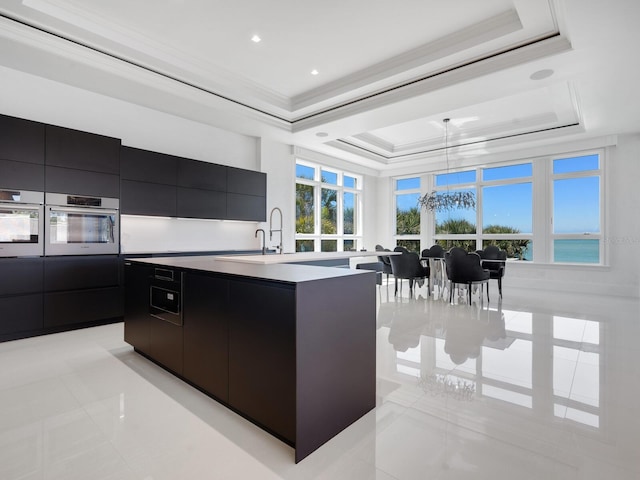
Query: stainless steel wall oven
x=21 y=223
x=81 y=225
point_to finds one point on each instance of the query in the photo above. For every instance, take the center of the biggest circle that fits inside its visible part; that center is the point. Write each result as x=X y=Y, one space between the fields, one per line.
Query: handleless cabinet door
x=137 y=321
x=142 y=198
x=206 y=330
x=145 y=166
x=82 y=150
x=262 y=354
x=21 y=140
x=202 y=175
x=195 y=203
x=81 y=182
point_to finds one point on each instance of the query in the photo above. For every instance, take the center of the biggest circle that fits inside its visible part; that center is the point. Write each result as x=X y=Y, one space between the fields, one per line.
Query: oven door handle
x=97 y=211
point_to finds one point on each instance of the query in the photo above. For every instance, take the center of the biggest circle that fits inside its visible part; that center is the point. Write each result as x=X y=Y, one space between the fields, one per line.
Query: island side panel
x=336 y=357
x=262 y=354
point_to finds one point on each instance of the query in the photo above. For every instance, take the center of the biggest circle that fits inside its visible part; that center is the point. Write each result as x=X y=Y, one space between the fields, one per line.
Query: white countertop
x=275 y=258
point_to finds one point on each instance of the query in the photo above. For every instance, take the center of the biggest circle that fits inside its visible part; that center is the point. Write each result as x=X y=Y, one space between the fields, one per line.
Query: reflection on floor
x=539 y=385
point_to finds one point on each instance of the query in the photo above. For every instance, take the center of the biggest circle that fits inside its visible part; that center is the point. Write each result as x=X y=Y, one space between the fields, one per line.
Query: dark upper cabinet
x=195 y=203
x=82 y=150
x=21 y=140
x=202 y=175
x=143 y=198
x=21 y=176
x=81 y=182
x=246 y=207
x=145 y=166
x=246 y=182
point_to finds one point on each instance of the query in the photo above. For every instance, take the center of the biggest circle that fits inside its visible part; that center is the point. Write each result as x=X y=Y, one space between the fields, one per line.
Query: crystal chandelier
x=437 y=201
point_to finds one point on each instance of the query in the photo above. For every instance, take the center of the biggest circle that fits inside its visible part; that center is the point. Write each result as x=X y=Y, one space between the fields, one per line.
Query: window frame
x=316 y=183
x=542 y=185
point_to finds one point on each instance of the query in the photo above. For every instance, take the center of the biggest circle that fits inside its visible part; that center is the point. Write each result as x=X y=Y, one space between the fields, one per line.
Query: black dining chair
x=494 y=260
x=407 y=266
x=384 y=259
x=435 y=251
x=463 y=268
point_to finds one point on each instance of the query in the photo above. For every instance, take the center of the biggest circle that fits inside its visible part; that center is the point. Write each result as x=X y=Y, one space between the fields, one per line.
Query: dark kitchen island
x=289 y=347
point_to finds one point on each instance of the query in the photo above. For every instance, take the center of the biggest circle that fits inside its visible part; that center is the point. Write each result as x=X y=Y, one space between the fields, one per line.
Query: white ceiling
x=389 y=72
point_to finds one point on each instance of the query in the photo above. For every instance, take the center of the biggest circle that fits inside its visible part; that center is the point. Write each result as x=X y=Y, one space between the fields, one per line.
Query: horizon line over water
x=575 y=250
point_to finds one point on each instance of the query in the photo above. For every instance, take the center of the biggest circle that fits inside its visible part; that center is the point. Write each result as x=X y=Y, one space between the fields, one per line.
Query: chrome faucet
x=264 y=248
x=271 y=230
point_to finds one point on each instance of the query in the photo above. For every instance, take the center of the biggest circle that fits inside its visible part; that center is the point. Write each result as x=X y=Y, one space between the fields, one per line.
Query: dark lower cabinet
x=159 y=339
x=205 y=329
x=136 y=305
x=262 y=354
x=79 y=307
x=166 y=344
x=21 y=300
x=20 y=315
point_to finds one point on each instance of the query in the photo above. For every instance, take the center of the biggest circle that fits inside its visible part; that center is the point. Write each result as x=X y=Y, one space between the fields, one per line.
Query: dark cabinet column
x=136 y=306
x=206 y=356
x=262 y=354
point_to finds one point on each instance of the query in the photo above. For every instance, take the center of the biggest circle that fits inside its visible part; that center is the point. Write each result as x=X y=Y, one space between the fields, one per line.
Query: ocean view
x=577 y=251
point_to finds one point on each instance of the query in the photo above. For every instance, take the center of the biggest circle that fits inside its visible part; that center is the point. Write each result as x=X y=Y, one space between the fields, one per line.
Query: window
x=568 y=226
x=327 y=209
x=407 y=229
x=576 y=210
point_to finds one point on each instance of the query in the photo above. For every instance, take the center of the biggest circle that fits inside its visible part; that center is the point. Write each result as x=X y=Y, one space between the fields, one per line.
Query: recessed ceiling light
x=314 y=72
x=541 y=74
x=256 y=39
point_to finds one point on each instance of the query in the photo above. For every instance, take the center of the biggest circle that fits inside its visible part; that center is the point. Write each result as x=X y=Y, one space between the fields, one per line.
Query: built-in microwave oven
x=21 y=223
x=81 y=225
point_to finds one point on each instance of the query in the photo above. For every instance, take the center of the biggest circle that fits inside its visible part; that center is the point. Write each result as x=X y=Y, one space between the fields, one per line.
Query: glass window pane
x=411 y=245
x=576 y=251
x=576 y=164
x=457 y=221
x=576 y=205
x=349 y=245
x=348 y=213
x=329 y=177
x=455 y=178
x=468 y=245
x=305 y=245
x=350 y=182
x=304 y=209
x=328 y=245
x=407 y=214
x=517 y=248
x=504 y=173
x=507 y=208
x=302 y=171
x=329 y=206
x=408 y=183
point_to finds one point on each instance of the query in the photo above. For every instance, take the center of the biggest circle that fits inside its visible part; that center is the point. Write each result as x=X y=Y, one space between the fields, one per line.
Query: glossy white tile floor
x=540 y=386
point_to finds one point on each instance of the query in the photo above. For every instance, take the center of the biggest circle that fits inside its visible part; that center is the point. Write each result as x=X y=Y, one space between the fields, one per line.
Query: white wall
x=42 y=100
